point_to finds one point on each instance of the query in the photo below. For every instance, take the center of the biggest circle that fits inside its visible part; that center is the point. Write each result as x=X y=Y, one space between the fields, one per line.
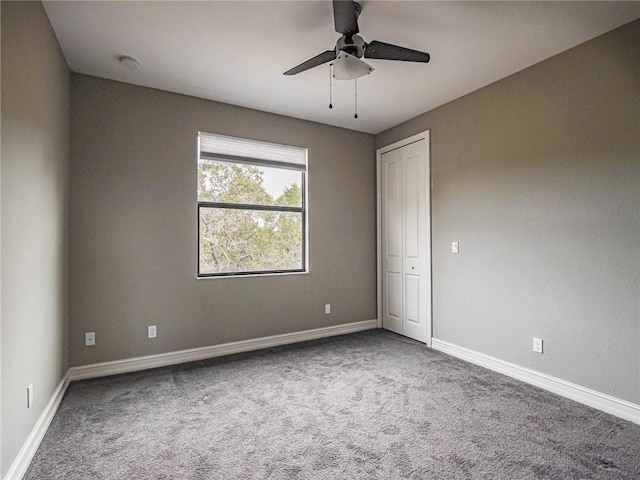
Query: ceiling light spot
x=129 y=62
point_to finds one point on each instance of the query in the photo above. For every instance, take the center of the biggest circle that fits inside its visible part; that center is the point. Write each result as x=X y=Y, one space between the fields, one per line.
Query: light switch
x=30 y=396
x=537 y=345
x=455 y=248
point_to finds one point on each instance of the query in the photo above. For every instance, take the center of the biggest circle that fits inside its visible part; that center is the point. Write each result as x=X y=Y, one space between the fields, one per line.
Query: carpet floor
x=371 y=405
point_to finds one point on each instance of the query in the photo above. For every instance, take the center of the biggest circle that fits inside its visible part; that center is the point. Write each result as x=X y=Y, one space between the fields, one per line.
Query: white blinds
x=251 y=151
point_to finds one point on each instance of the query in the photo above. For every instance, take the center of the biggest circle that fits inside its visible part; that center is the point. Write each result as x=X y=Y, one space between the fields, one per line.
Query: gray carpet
x=371 y=405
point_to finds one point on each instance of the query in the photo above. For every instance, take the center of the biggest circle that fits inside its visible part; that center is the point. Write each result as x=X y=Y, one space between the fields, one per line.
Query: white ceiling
x=236 y=52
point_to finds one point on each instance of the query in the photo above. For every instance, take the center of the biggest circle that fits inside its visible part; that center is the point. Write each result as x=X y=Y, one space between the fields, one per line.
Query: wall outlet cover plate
x=537 y=345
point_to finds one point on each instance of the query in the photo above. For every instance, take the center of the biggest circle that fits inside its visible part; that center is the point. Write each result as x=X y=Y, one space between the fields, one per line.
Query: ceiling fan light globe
x=348 y=67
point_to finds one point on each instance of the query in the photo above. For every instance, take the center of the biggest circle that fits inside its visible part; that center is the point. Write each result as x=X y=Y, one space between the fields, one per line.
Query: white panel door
x=392 y=297
x=405 y=241
x=416 y=273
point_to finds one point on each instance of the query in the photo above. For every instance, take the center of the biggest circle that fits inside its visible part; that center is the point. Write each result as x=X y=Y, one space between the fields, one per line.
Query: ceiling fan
x=351 y=47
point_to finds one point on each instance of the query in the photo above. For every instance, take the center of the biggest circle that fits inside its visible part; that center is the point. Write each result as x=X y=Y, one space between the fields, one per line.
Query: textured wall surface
x=538 y=177
x=133 y=226
x=35 y=153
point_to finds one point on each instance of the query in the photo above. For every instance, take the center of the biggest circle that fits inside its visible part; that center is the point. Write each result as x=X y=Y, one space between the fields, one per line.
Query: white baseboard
x=601 y=401
x=25 y=455
x=203 y=353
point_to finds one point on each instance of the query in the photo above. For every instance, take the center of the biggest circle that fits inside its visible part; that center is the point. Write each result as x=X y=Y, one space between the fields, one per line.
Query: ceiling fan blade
x=324 y=57
x=386 y=51
x=345 y=16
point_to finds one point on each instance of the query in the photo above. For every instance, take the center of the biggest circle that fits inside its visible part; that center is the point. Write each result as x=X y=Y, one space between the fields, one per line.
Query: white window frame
x=251 y=152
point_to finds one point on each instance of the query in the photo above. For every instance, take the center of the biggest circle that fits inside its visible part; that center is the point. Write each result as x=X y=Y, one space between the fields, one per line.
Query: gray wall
x=538 y=177
x=35 y=152
x=133 y=226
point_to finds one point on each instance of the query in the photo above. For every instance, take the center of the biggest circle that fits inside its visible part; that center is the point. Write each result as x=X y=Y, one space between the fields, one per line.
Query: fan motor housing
x=353 y=45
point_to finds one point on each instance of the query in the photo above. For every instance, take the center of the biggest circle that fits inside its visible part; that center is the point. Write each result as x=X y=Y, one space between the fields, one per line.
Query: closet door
x=392 y=259
x=406 y=297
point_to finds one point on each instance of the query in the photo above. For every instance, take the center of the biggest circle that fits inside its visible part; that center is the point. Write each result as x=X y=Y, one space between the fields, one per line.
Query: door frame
x=379 y=152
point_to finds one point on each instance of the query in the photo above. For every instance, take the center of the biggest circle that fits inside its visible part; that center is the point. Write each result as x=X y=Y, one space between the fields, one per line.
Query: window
x=251 y=207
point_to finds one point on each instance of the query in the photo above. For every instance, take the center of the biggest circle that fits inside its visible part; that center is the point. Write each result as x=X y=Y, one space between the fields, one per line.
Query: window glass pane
x=234 y=240
x=228 y=182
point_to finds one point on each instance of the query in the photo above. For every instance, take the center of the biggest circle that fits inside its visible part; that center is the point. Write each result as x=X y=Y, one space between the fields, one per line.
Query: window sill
x=253 y=275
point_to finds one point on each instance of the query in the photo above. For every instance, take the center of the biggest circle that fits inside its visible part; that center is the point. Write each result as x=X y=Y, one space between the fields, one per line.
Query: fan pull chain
x=330 y=85
x=356 y=98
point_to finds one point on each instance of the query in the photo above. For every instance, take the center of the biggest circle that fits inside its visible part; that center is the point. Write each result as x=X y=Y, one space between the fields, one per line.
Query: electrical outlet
x=327 y=308
x=537 y=345
x=152 y=332
x=29 y=396
x=89 y=339
x=455 y=247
